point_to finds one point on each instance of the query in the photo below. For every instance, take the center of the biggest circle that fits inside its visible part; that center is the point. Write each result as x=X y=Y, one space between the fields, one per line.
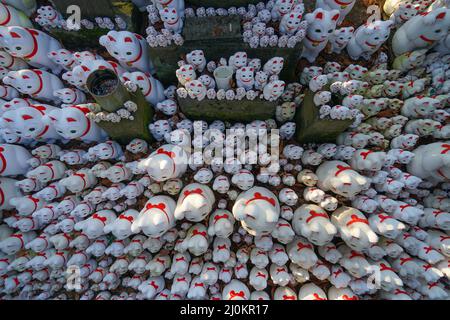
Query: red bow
x=336 y=273
x=160 y=206
x=196 y=232
x=195 y=191
x=431 y=285
x=427 y=266
x=280 y=270
x=181 y=279
x=236 y=294
x=404 y=260
x=317 y=297
x=102 y=219
x=224 y=247
x=383 y=217
x=346 y=297
x=427 y=249
x=35 y=202
x=160 y=261
x=167 y=153
x=198 y=285
x=129 y=218
x=364 y=155
x=341 y=169
x=259 y=196
x=50 y=166
x=398 y=291
x=301 y=246
x=16 y=281
x=437 y=212
x=384 y=267
x=404 y=207
x=179 y=259
x=211 y=269
x=218 y=217
x=239 y=267
x=446 y=148
x=355 y=254
x=285 y=297
x=354 y=219
x=260 y=274
x=154 y=285
x=82 y=176
x=313 y=214
x=65 y=235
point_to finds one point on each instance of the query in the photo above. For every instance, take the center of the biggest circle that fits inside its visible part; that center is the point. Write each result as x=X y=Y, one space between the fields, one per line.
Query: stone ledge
x=225 y=110
x=310 y=128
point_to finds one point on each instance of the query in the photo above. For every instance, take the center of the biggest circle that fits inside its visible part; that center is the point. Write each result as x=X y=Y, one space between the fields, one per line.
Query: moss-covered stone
x=220 y=3
x=310 y=128
x=127 y=130
x=235 y=110
x=218 y=37
x=97 y=8
x=88 y=38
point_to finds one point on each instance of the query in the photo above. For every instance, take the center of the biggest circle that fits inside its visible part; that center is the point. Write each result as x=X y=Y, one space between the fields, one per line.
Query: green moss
x=220 y=3
x=204 y=33
x=127 y=130
x=73 y=39
x=235 y=110
x=310 y=128
x=88 y=38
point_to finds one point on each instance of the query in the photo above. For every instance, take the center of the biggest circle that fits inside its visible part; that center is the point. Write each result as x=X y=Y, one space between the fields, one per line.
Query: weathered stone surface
x=235 y=110
x=72 y=39
x=127 y=130
x=86 y=38
x=212 y=28
x=220 y=3
x=89 y=8
x=204 y=33
x=310 y=128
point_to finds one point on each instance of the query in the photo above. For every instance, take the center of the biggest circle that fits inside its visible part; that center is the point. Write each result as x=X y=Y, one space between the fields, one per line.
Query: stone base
x=234 y=111
x=220 y=3
x=310 y=128
x=218 y=37
x=86 y=38
x=127 y=130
